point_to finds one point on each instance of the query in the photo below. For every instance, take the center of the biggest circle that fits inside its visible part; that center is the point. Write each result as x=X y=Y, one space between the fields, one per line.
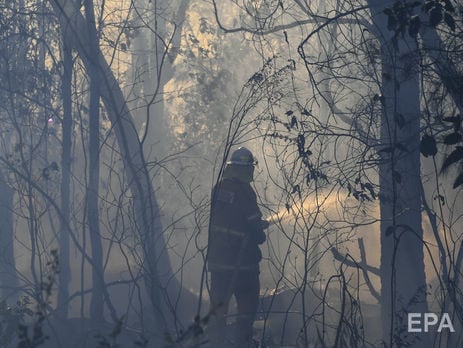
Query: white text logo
x=419 y=322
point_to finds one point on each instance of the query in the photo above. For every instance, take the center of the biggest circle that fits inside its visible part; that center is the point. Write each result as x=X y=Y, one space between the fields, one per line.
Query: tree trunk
x=403 y=281
x=153 y=61
x=162 y=286
x=8 y=276
x=96 y=303
x=65 y=272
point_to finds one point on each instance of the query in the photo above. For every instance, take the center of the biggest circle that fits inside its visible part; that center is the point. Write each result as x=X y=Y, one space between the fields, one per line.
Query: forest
x=118 y=118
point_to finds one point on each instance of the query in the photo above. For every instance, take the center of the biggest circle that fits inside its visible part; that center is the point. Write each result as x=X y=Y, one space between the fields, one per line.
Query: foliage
x=402 y=15
x=455 y=158
x=205 y=82
x=12 y=318
x=192 y=337
x=38 y=337
x=111 y=340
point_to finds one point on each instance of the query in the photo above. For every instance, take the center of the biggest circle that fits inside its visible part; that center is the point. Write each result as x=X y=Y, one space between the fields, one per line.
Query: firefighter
x=235 y=233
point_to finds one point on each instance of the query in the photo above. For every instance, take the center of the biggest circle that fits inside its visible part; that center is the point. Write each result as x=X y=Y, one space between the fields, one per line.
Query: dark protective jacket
x=236 y=228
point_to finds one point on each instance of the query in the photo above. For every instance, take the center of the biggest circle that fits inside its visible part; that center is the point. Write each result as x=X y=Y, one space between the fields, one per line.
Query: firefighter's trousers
x=244 y=285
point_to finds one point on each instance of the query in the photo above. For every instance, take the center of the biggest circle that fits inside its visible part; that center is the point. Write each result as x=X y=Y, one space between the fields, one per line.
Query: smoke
x=303 y=234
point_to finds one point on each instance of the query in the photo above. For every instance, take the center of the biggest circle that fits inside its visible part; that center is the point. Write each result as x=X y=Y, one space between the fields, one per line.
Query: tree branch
x=363 y=266
x=298 y=23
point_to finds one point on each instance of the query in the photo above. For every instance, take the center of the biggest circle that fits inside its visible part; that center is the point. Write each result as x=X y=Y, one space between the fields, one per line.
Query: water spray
x=290 y=211
x=303 y=208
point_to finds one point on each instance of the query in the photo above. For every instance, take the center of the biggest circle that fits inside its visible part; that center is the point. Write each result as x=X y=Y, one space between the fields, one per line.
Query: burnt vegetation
x=117 y=119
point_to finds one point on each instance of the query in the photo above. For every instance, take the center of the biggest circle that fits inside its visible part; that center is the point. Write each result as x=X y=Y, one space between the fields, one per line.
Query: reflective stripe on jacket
x=236 y=230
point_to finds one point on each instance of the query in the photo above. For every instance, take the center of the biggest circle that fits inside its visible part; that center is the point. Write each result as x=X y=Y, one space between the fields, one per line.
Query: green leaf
x=428 y=146
x=296 y=189
x=293 y=122
x=454 y=157
x=453 y=119
x=301 y=144
x=442 y=199
x=458 y=181
x=369 y=187
x=452 y=138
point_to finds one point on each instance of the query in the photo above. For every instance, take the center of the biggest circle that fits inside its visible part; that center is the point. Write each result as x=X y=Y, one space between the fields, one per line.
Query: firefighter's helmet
x=242 y=157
